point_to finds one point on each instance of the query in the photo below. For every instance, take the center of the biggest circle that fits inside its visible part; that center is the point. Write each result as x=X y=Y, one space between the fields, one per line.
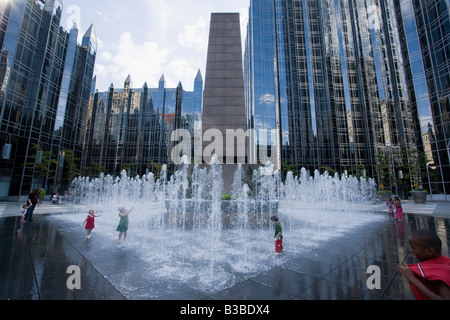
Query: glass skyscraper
x=329 y=84
x=131 y=128
x=45 y=88
x=425 y=34
x=333 y=81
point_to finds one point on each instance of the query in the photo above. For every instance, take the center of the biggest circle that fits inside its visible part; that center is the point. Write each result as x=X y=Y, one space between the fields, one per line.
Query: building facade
x=333 y=78
x=131 y=129
x=425 y=34
x=45 y=83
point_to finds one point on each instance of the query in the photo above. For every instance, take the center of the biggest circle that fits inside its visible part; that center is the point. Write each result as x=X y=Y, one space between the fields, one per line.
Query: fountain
x=184 y=227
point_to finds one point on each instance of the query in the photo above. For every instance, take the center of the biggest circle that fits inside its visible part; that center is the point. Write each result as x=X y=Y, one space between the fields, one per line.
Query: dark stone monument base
x=190 y=213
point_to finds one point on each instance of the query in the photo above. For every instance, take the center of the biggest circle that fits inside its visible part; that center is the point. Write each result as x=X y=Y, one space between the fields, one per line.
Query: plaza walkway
x=34 y=258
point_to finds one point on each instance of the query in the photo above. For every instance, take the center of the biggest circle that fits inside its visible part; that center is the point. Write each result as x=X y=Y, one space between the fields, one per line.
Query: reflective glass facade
x=330 y=77
x=425 y=31
x=131 y=128
x=45 y=83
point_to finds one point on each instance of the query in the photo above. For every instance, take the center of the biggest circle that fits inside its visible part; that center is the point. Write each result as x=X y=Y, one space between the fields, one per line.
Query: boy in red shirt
x=430 y=278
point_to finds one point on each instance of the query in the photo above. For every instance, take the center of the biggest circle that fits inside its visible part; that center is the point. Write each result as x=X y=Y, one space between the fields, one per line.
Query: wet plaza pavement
x=35 y=257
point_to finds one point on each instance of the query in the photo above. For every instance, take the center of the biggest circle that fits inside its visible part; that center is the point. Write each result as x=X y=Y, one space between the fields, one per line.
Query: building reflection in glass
x=130 y=129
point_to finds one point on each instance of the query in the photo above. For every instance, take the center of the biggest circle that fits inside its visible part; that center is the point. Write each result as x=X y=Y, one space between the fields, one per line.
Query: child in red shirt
x=430 y=278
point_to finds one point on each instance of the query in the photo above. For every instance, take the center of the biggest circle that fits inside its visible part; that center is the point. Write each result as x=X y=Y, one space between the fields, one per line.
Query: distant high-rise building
x=45 y=87
x=332 y=78
x=131 y=129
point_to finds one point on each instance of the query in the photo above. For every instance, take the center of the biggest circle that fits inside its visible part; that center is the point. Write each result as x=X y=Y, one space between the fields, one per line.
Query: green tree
x=330 y=170
x=416 y=161
x=382 y=169
x=129 y=168
x=45 y=162
x=155 y=168
x=72 y=171
x=94 y=170
x=296 y=169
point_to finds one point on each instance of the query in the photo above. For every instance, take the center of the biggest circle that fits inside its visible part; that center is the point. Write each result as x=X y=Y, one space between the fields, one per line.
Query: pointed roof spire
x=163 y=79
x=90 y=38
x=74 y=32
x=128 y=79
x=90 y=33
x=199 y=77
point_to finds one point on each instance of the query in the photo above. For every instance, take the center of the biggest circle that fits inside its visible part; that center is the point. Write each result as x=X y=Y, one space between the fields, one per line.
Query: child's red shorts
x=279 y=245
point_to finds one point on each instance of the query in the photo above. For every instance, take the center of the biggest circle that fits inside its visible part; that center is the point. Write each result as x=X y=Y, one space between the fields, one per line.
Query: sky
x=149 y=38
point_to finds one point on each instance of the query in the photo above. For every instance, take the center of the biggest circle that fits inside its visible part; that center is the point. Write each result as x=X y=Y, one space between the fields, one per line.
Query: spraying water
x=185 y=228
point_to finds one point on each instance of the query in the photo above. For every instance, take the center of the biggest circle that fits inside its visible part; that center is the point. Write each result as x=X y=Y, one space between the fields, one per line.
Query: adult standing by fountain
x=33 y=201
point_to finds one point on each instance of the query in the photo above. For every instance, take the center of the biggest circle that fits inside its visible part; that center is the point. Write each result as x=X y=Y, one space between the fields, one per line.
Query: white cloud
x=267 y=98
x=144 y=61
x=151 y=38
x=100 y=68
x=181 y=69
x=106 y=55
x=195 y=35
x=101 y=14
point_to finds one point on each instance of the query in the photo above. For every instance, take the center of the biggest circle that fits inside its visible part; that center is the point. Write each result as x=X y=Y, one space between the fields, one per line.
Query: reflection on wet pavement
x=35 y=257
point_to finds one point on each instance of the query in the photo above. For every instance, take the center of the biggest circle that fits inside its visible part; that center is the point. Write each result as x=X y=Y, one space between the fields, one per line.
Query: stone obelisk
x=224 y=122
x=223 y=97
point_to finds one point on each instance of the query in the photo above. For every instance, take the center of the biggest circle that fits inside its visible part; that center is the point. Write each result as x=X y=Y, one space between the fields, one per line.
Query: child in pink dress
x=398 y=209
